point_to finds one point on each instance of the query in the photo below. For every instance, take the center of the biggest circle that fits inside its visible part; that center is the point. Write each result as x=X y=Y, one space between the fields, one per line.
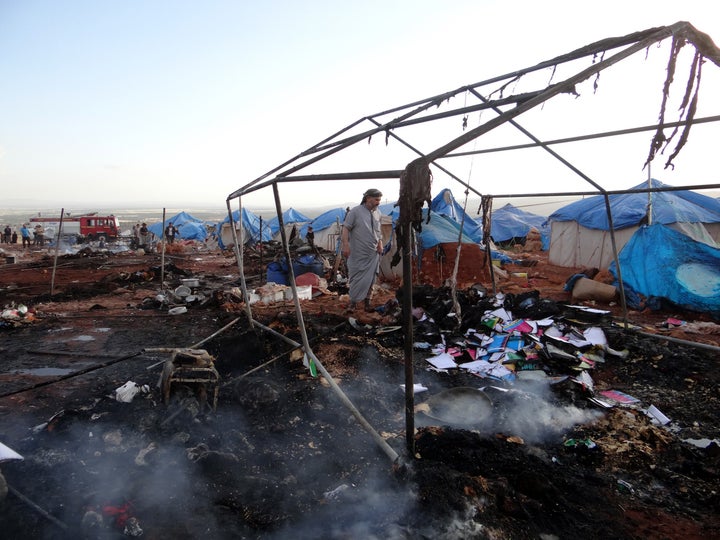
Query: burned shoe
x=368 y=307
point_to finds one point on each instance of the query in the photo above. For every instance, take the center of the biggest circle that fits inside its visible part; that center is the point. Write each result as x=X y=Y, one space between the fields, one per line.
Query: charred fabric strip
x=704 y=48
x=659 y=138
x=71 y=375
x=415 y=183
x=689 y=109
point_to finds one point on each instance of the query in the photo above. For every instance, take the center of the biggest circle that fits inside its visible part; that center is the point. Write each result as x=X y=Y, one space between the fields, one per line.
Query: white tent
x=580 y=231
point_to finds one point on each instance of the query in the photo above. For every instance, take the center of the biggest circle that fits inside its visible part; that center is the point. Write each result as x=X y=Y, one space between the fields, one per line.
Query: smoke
x=374 y=508
x=530 y=411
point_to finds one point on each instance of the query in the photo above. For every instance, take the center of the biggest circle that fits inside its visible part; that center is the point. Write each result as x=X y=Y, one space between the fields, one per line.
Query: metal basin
x=463 y=406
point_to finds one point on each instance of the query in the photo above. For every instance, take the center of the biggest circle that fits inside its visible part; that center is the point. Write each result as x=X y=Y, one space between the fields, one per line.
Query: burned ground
x=282 y=456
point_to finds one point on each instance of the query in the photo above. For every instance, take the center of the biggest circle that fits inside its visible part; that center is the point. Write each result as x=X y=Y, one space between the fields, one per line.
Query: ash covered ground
x=281 y=456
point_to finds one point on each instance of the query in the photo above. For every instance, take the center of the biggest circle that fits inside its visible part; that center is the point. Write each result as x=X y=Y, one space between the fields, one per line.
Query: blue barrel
x=277 y=273
x=308 y=263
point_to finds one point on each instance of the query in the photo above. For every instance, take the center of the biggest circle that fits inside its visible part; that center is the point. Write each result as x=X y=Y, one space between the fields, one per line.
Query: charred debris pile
x=533 y=418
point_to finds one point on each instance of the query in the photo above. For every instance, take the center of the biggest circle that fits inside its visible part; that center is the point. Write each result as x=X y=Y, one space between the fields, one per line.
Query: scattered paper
x=657 y=416
x=502 y=314
x=7 y=453
x=127 y=391
x=585 y=380
x=590 y=310
x=487 y=369
x=619 y=397
x=417 y=388
x=442 y=361
x=596 y=336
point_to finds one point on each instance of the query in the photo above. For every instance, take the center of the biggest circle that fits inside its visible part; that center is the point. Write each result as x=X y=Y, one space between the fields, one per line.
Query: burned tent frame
x=507 y=108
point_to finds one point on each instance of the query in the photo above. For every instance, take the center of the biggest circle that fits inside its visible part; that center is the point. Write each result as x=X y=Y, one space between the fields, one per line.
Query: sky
x=175 y=103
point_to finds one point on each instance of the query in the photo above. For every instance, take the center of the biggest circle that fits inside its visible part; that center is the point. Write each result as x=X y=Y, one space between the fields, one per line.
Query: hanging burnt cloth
x=415 y=183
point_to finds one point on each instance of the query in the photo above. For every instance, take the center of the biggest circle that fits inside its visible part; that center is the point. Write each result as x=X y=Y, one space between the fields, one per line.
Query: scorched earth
x=282 y=456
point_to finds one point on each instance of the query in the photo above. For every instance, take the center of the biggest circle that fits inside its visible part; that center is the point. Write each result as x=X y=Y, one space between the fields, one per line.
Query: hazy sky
x=179 y=103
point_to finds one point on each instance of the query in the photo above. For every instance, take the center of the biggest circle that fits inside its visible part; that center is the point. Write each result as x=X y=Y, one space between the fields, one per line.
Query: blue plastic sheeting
x=389 y=209
x=661 y=262
x=630 y=209
x=324 y=220
x=289 y=217
x=445 y=204
x=251 y=224
x=511 y=222
x=192 y=230
x=440 y=230
x=188 y=226
x=507 y=223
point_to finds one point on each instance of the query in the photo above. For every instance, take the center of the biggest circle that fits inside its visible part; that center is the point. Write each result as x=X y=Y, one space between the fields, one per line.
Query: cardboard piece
x=589 y=289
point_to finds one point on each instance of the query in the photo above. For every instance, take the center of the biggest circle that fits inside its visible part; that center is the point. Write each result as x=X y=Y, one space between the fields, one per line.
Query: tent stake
x=57 y=246
x=695 y=344
x=35 y=507
x=382 y=443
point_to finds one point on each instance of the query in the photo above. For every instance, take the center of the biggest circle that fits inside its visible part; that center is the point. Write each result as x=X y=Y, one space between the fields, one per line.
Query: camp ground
x=476 y=397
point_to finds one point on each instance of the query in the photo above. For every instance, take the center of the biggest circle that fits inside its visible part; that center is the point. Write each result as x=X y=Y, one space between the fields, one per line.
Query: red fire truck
x=91 y=226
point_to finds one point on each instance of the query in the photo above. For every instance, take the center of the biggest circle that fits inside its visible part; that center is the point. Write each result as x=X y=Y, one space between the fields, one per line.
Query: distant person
x=170 y=232
x=39 y=233
x=135 y=238
x=143 y=236
x=13 y=240
x=25 y=233
x=7 y=233
x=362 y=246
x=310 y=239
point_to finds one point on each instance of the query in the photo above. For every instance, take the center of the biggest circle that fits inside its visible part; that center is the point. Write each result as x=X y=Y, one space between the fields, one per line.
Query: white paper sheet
x=442 y=361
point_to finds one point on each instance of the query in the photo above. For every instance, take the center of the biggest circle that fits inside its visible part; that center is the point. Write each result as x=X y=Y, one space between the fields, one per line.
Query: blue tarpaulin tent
x=445 y=204
x=580 y=230
x=325 y=220
x=192 y=230
x=290 y=217
x=441 y=229
x=660 y=262
x=189 y=227
x=512 y=224
x=326 y=228
x=251 y=224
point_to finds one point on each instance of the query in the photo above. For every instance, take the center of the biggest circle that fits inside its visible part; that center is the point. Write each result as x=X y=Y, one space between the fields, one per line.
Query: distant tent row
x=448 y=213
x=508 y=224
x=254 y=229
x=678 y=259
